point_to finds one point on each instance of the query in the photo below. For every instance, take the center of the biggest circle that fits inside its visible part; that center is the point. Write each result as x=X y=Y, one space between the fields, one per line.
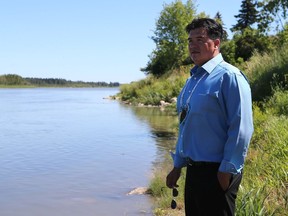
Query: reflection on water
x=163 y=129
x=163 y=124
x=69 y=152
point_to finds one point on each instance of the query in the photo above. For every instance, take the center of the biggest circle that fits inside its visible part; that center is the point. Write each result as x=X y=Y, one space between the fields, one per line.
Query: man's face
x=201 y=47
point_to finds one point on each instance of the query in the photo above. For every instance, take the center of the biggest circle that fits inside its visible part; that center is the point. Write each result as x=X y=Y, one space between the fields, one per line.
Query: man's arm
x=238 y=105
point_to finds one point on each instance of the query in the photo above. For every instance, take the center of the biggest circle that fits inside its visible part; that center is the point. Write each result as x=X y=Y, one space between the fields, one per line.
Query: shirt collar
x=212 y=63
x=193 y=70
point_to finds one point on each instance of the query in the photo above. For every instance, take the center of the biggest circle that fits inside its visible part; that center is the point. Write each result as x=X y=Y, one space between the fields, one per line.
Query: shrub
x=267 y=72
x=152 y=90
x=278 y=103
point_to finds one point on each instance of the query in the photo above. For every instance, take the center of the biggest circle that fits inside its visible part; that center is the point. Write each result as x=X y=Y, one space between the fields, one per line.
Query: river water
x=69 y=151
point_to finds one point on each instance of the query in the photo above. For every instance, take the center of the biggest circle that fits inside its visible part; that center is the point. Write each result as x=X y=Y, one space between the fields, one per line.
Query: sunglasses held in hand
x=173 y=202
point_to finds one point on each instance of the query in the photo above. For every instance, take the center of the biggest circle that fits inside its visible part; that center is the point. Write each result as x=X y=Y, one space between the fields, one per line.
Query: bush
x=267 y=72
x=278 y=103
x=152 y=90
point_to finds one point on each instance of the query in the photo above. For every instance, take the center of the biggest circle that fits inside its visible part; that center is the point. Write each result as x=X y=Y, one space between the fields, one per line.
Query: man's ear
x=217 y=43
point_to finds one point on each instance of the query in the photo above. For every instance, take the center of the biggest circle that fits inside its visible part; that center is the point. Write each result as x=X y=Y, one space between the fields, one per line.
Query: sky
x=86 y=40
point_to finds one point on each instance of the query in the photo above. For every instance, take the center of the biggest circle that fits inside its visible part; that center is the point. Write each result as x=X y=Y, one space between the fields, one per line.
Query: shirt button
x=195 y=78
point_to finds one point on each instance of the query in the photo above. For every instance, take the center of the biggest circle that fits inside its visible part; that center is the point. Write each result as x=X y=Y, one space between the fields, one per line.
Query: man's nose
x=192 y=45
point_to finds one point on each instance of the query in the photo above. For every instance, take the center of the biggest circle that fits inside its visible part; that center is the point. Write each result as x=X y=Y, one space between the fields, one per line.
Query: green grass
x=267 y=72
x=151 y=91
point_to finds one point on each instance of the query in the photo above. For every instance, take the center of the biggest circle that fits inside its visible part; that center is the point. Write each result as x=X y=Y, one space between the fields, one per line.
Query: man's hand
x=172 y=177
x=224 y=180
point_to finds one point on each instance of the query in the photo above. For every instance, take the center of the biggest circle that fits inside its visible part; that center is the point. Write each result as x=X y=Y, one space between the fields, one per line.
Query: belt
x=190 y=162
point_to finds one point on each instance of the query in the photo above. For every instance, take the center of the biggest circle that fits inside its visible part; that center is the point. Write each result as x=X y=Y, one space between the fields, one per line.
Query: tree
x=272 y=11
x=283 y=36
x=275 y=6
x=218 y=18
x=12 y=79
x=228 y=49
x=170 y=38
x=247 y=17
x=248 y=39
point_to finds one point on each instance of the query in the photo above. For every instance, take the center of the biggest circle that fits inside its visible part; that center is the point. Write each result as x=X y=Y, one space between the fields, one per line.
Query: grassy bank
x=152 y=90
x=16 y=86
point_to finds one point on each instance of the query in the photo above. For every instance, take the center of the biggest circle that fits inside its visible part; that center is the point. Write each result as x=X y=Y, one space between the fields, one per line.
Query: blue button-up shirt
x=218 y=125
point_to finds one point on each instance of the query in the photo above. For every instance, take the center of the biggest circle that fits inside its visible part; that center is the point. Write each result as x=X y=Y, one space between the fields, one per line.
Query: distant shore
x=16 y=81
x=51 y=86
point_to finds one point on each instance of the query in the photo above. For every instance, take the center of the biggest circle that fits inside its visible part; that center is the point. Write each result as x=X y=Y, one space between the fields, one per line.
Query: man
x=216 y=125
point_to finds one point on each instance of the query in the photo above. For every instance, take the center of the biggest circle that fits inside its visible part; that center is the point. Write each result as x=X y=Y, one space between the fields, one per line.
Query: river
x=69 y=151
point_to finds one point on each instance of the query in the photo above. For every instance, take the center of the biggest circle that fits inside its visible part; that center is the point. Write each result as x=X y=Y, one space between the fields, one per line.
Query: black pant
x=204 y=195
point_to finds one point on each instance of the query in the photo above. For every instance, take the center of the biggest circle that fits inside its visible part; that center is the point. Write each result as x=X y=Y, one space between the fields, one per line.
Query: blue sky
x=86 y=40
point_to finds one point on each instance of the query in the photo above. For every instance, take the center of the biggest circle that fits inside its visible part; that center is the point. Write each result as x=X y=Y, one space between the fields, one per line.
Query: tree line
x=252 y=33
x=16 y=80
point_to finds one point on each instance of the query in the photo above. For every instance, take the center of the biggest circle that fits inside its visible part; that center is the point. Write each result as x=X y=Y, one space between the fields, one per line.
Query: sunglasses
x=175 y=194
x=183 y=114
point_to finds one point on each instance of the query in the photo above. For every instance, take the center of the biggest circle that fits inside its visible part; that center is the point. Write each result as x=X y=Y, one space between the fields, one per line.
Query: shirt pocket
x=205 y=102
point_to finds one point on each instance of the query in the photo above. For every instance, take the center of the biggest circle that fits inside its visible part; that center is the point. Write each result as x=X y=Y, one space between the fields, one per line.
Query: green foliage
x=279 y=103
x=282 y=36
x=247 y=17
x=264 y=187
x=249 y=41
x=12 y=79
x=271 y=12
x=274 y=6
x=170 y=38
x=252 y=203
x=152 y=90
x=267 y=72
x=218 y=18
x=67 y=83
x=228 y=50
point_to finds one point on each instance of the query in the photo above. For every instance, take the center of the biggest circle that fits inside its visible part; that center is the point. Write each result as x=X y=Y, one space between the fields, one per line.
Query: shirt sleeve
x=178 y=161
x=237 y=103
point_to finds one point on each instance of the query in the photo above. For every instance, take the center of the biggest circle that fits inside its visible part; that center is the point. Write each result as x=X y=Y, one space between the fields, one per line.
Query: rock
x=138 y=191
x=173 y=100
x=163 y=103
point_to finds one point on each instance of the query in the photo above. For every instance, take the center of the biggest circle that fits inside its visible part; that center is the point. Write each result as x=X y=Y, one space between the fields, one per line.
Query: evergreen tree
x=218 y=18
x=247 y=17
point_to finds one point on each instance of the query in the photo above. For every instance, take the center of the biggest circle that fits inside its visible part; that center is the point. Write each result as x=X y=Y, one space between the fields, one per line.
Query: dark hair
x=213 y=28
